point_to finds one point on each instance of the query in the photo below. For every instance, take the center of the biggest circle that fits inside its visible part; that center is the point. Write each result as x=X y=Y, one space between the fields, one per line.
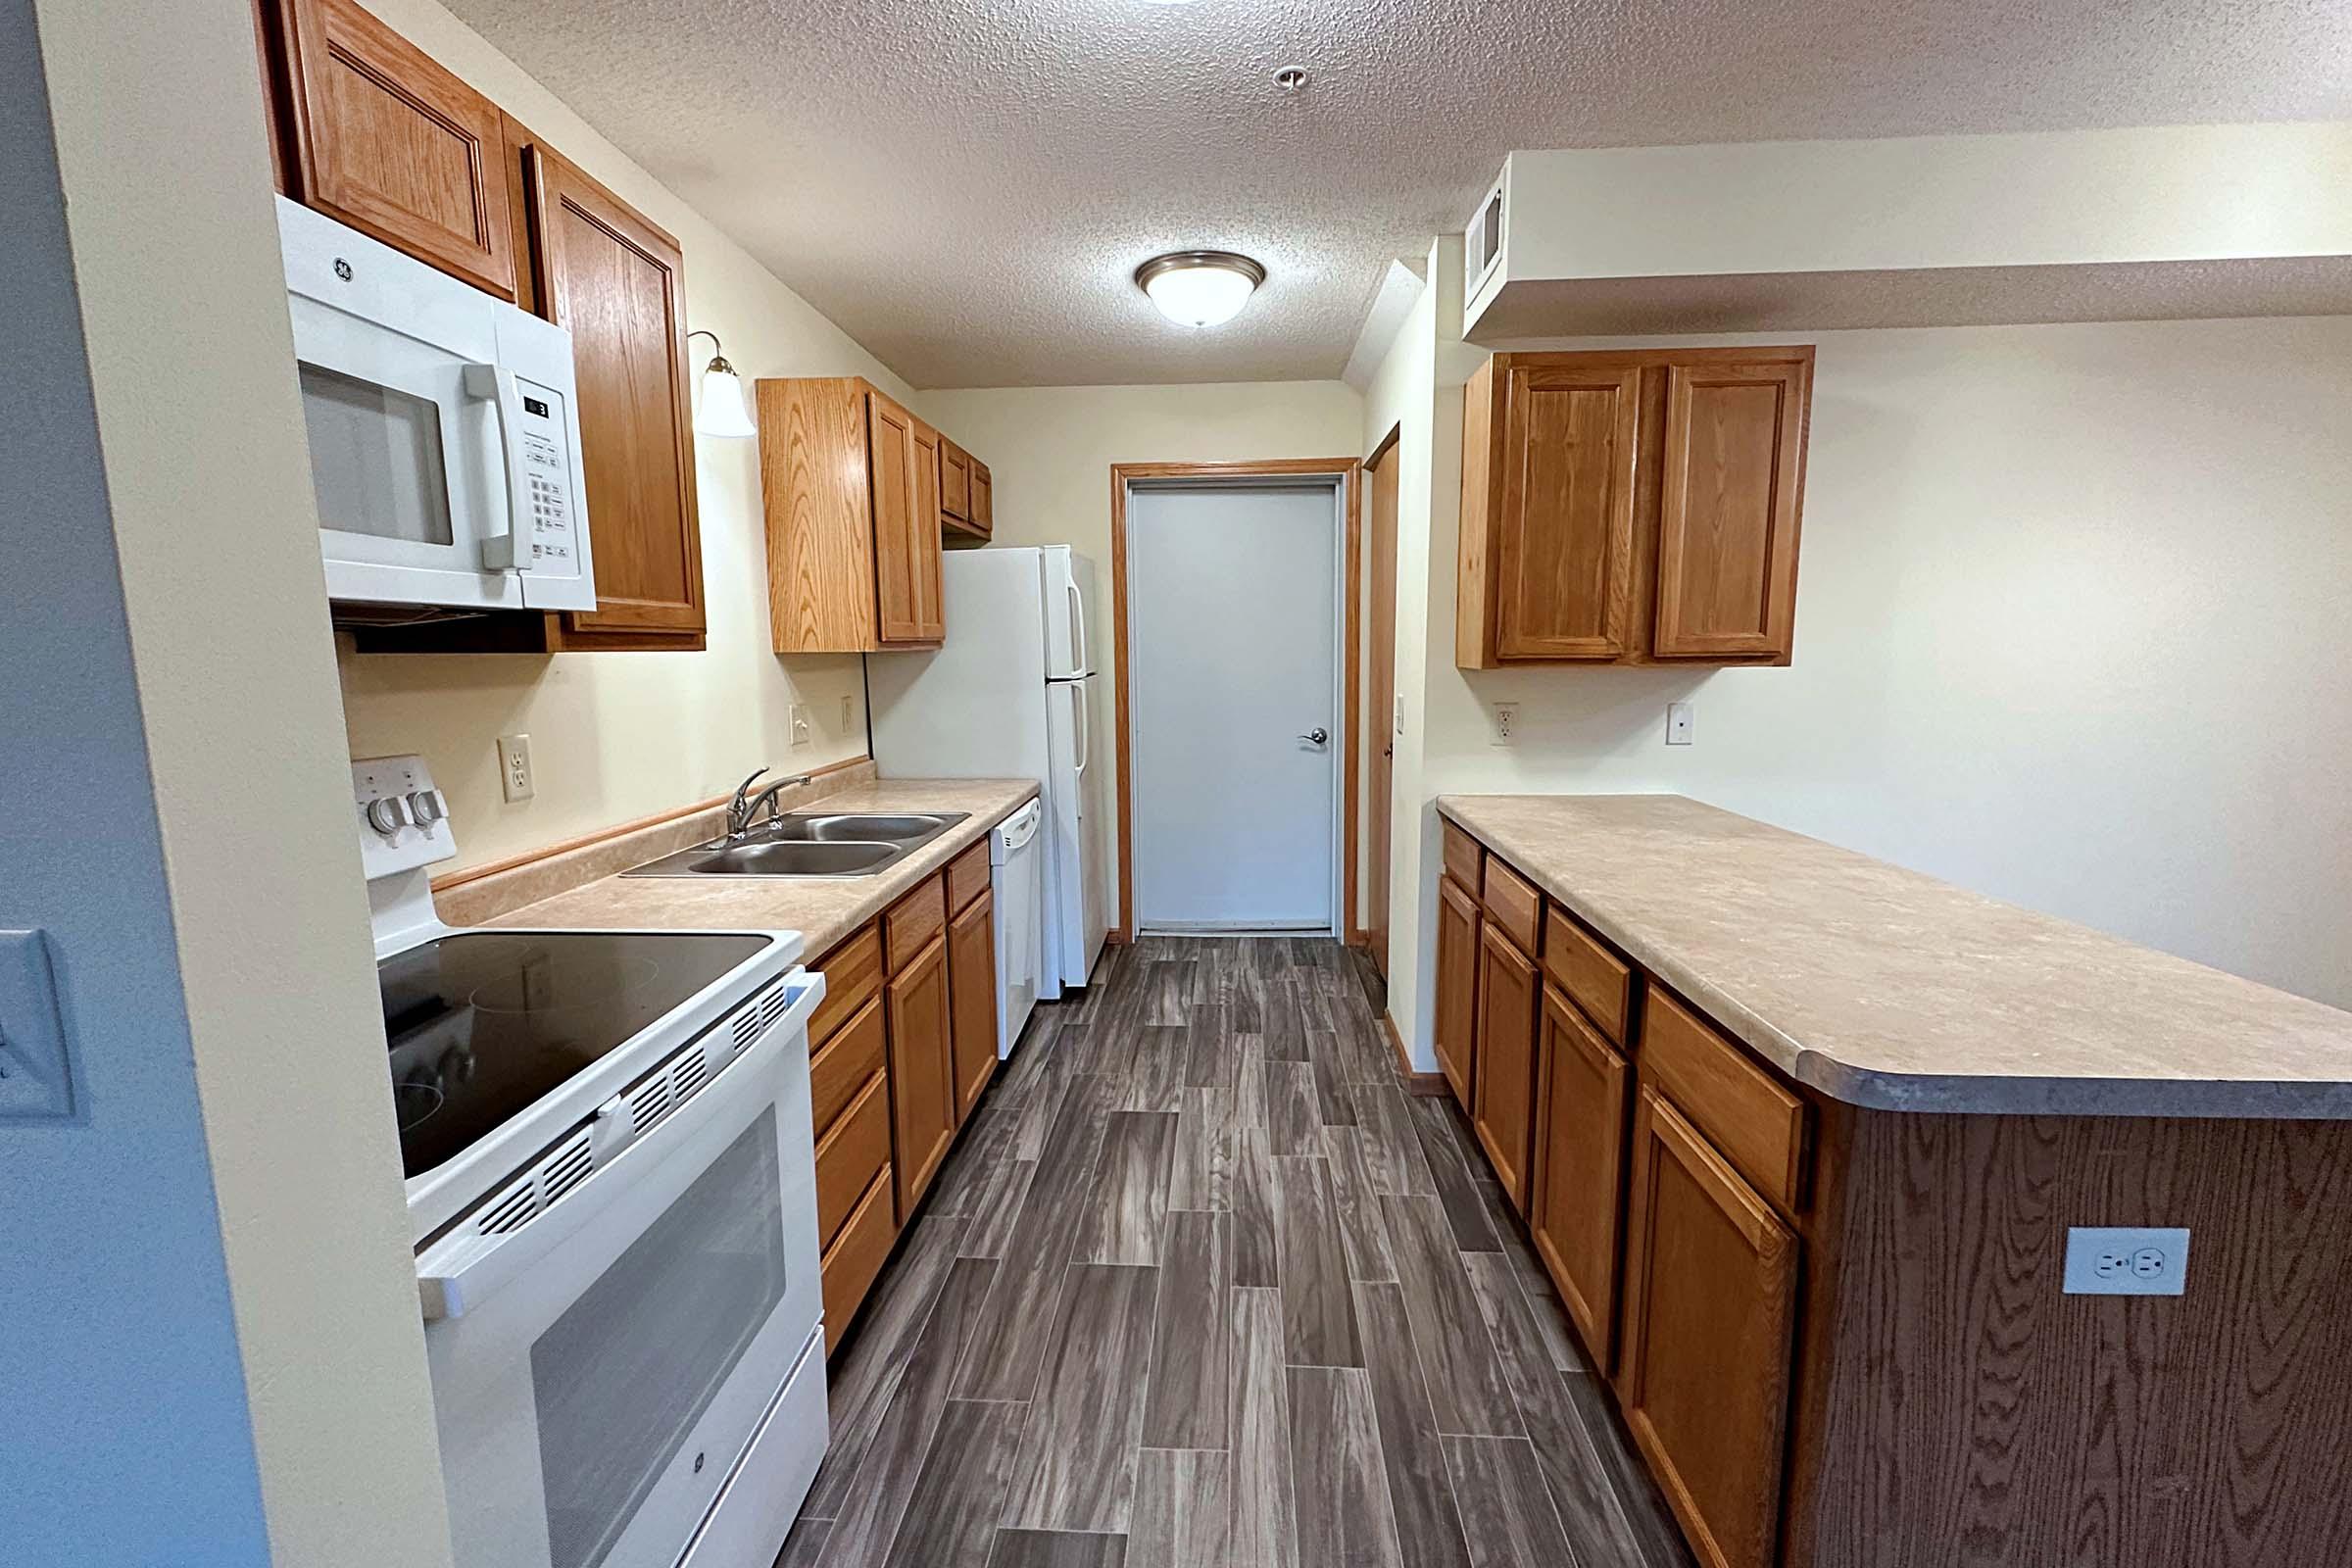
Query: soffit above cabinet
x=2172 y=222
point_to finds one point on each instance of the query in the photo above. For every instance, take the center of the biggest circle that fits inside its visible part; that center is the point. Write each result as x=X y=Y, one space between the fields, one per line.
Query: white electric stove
x=611 y=1189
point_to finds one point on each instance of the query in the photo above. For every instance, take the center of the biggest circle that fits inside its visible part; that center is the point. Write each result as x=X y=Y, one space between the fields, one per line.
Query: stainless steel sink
x=810 y=845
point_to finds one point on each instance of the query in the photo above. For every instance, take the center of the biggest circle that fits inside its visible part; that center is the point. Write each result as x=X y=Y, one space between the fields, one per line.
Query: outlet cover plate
x=36 y=1066
x=2110 y=1260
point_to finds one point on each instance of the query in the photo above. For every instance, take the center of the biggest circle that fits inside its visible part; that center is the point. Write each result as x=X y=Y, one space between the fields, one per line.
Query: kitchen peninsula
x=1801 y=1137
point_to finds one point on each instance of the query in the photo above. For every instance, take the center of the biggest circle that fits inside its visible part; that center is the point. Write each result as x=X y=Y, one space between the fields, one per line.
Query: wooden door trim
x=1348 y=473
x=1359 y=747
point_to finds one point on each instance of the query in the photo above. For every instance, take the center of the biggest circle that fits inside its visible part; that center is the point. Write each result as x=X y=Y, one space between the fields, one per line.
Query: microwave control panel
x=552 y=524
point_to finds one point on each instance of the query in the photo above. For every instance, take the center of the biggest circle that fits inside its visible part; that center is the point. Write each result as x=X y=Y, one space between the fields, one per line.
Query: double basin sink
x=816 y=843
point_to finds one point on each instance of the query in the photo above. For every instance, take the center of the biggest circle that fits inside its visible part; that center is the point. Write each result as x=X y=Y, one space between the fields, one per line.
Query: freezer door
x=1075 y=904
x=1069 y=593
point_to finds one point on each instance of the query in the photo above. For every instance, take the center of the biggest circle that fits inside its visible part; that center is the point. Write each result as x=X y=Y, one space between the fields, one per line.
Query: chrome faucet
x=742 y=813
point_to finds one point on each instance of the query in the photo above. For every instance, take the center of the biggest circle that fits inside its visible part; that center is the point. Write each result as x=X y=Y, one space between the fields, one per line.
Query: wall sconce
x=724 y=412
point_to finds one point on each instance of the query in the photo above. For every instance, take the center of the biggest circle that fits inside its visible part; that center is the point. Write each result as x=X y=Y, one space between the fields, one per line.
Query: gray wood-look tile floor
x=1203 y=1288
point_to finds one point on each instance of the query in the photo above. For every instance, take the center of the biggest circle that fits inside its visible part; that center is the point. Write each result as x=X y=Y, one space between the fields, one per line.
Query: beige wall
x=616 y=736
x=1049 y=452
x=2068 y=632
x=190 y=357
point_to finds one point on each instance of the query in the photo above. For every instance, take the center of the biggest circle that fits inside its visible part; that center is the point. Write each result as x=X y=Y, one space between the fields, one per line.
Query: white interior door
x=1233 y=596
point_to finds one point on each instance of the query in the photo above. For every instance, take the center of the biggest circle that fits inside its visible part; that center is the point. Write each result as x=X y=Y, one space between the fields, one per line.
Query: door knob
x=1316 y=736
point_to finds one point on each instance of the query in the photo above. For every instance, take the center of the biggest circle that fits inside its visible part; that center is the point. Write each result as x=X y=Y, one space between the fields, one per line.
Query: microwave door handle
x=503 y=551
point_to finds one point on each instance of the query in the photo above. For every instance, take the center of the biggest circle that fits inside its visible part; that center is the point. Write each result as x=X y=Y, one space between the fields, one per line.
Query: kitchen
x=2018 y=655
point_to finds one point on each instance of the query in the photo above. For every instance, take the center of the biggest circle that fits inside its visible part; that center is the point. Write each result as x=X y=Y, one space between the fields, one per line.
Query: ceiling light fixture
x=723 y=412
x=1199 y=289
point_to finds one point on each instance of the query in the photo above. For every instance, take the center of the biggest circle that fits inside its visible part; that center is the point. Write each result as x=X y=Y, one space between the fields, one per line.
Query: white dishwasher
x=1017 y=877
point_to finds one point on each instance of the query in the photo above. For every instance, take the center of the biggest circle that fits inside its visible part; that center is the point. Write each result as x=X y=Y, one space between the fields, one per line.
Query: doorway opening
x=1232 y=589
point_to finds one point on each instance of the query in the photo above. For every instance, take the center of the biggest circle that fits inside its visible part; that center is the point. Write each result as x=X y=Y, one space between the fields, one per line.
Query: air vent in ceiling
x=1482 y=242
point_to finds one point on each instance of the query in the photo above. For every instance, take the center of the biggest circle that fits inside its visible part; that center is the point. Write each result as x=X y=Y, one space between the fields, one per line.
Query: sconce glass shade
x=725 y=411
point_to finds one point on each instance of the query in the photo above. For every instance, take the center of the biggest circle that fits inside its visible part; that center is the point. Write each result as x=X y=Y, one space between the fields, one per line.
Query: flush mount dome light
x=1199 y=289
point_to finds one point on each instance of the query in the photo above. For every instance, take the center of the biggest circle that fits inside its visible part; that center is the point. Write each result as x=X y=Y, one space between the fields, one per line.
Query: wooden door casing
x=973 y=999
x=1731 y=487
x=1504 y=1094
x=1564 y=547
x=385 y=139
x=1710 y=1309
x=1457 y=990
x=616 y=283
x=1379 y=724
x=923 y=1072
x=1575 y=1204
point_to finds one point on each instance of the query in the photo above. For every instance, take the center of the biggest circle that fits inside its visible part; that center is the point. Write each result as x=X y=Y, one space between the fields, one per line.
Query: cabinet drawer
x=967 y=875
x=910 y=924
x=856 y=1255
x=1513 y=905
x=851 y=1155
x=838 y=1069
x=1595 y=978
x=1463 y=856
x=1750 y=1119
x=852 y=973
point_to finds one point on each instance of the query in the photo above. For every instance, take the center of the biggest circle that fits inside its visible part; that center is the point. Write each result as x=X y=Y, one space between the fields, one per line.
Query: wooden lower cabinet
x=1710 y=1309
x=1575 y=1199
x=1503 y=1100
x=923 y=1072
x=972 y=1000
x=1457 y=988
x=858 y=1254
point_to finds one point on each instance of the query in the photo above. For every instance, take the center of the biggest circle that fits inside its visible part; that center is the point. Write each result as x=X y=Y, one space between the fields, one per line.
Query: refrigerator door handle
x=1086 y=733
x=1077 y=609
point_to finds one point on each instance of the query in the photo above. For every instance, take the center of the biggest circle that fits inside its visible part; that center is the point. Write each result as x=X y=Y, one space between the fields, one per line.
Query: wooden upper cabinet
x=1631 y=507
x=1503 y=1096
x=973 y=999
x=386 y=140
x=1564 y=542
x=1709 y=1315
x=616 y=283
x=850 y=485
x=1457 y=989
x=1576 y=1201
x=1727 y=514
x=954 y=481
x=983 y=520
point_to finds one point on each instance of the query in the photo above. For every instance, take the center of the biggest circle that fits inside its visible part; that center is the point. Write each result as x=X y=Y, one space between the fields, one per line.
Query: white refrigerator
x=1011 y=694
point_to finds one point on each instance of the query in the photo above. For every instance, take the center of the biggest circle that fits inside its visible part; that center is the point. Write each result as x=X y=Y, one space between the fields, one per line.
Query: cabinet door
x=905 y=467
x=1503 y=1098
x=972 y=989
x=1710 y=1303
x=1564 y=545
x=954 y=481
x=1728 y=510
x=386 y=140
x=1575 y=1204
x=1457 y=988
x=984 y=500
x=922 y=1074
x=616 y=283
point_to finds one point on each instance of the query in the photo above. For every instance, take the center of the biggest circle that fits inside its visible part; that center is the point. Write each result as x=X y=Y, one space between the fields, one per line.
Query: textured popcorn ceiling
x=965 y=186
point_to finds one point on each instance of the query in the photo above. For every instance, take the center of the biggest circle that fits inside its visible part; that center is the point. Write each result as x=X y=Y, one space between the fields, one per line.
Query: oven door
x=600 y=1371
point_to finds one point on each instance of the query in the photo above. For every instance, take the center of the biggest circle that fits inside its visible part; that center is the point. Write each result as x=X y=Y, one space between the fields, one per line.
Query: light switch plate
x=36 y=1068
x=799 y=715
x=2108 y=1260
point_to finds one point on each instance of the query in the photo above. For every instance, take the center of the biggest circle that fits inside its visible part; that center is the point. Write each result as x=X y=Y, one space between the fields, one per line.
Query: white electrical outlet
x=2126 y=1261
x=849 y=712
x=514 y=768
x=1506 y=724
x=800 y=723
x=1678 y=724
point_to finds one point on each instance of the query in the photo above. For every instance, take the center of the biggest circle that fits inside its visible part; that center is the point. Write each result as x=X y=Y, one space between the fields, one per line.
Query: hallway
x=1202 y=1287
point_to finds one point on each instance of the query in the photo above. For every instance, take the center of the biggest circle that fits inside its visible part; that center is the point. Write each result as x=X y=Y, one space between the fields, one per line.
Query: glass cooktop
x=483 y=1023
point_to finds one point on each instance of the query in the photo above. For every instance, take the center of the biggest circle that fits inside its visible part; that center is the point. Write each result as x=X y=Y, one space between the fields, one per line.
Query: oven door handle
x=455 y=1275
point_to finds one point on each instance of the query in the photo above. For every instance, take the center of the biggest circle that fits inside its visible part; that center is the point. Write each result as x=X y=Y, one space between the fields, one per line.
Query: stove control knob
x=426 y=807
x=387 y=815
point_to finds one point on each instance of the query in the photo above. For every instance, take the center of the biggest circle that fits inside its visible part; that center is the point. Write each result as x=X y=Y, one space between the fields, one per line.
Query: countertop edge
x=1942 y=1094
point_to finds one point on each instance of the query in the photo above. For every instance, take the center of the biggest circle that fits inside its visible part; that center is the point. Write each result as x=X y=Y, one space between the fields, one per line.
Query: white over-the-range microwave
x=444 y=430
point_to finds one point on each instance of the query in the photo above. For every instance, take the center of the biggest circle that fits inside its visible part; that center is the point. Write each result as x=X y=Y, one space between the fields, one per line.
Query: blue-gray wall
x=123 y=1423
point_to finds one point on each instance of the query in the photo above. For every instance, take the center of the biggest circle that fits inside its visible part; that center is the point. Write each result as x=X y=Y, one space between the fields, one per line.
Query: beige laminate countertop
x=1888 y=989
x=823 y=909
